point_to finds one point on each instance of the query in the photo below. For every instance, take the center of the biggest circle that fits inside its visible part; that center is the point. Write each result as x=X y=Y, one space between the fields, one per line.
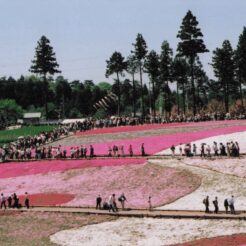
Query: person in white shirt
x=231 y=205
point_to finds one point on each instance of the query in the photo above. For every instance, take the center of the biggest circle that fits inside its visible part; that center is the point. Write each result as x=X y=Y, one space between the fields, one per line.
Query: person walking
x=142 y=149
x=206 y=203
x=91 y=151
x=130 y=150
x=232 y=205
x=111 y=203
x=98 y=202
x=173 y=150
x=216 y=205
x=226 y=205
x=27 y=200
x=150 y=203
x=3 y=201
x=122 y=200
x=9 y=200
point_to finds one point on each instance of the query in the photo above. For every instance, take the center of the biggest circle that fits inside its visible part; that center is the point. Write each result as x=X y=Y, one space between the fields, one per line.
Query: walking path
x=178 y=214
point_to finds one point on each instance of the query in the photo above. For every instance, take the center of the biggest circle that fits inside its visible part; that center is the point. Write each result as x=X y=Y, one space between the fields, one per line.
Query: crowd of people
x=230 y=149
x=229 y=204
x=110 y=204
x=12 y=201
x=113 y=121
x=22 y=148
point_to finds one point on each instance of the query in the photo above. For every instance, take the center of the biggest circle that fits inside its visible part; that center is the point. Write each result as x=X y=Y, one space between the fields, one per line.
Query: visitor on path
x=115 y=150
x=122 y=200
x=91 y=151
x=109 y=151
x=206 y=203
x=215 y=149
x=130 y=150
x=208 y=150
x=98 y=202
x=194 y=149
x=150 y=203
x=232 y=205
x=9 y=200
x=202 y=150
x=27 y=200
x=173 y=150
x=122 y=152
x=3 y=201
x=112 y=204
x=216 y=205
x=16 y=201
x=142 y=149
x=180 y=149
x=226 y=205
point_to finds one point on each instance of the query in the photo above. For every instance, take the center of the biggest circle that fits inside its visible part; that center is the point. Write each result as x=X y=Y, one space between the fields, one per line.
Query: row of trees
x=59 y=98
x=185 y=69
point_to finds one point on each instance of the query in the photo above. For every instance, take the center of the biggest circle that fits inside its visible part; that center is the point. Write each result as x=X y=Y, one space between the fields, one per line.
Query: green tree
x=190 y=46
x=63 y=94
x=240 y=62
x=10 y=111
x=152 y=66
x=132 y=69
x=166 y=76
x=44 y=63
x=116 y=64
x=224 y=69
x=140 y=51
x=180 y=74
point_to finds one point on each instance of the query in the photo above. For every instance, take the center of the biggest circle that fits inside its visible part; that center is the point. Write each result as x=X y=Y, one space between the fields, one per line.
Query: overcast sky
x=84 y=33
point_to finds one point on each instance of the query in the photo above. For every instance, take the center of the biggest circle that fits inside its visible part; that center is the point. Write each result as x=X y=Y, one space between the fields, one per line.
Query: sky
x=85 y=33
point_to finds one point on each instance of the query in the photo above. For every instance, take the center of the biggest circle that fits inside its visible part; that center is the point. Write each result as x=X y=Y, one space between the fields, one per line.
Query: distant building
x=31 y=118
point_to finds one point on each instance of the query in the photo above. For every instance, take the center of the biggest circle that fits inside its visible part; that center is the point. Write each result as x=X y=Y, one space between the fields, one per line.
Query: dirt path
x=184 y=214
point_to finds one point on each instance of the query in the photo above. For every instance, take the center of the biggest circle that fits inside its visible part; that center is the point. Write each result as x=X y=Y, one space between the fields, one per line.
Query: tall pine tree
x=140 y=51
x=190 y=45
x=240 y=62
x=224 y=69
x=116 y=64
x=44 y=63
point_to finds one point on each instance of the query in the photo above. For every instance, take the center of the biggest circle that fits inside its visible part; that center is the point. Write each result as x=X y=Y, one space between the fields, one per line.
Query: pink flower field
x=15 y=169
x=153 y=126
x=156 y=144
x=136 y=181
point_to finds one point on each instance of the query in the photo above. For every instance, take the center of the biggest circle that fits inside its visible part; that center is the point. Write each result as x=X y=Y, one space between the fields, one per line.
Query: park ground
x=174 y=184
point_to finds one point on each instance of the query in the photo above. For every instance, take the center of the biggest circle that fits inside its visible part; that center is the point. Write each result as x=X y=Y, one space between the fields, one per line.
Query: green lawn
x=7 y=136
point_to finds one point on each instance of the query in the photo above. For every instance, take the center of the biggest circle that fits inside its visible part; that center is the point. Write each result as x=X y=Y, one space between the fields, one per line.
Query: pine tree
x=166 y=76
x=116 y=64
x=152 y=66
x=140 y=51
x=240 y=62
x=190 y=45
x=224 y=69
x=180 y=74
x=44 y=63
x=133 y=68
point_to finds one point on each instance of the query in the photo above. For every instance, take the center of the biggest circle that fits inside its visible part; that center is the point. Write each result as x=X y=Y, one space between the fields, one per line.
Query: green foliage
x=104 y=86
x=191 y=37
x=44 y=61
x=223 y=65
x=10 y=111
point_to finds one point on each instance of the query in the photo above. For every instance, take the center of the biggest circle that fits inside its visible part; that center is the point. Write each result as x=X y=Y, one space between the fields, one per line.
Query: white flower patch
x=147 y=232
x=213 y=184
x=239 y=137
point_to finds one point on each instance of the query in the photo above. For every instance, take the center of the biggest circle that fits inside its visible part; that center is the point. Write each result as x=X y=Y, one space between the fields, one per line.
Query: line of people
x=229 y=203
x=111 y=203
x=12 y=201
x=230 y=149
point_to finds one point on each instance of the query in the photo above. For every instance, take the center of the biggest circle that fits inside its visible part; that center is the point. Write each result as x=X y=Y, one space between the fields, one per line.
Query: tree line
x=194 y=91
